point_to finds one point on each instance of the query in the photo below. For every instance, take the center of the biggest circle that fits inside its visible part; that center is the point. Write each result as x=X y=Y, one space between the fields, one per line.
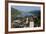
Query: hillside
x=35 y=12
x=15 y=12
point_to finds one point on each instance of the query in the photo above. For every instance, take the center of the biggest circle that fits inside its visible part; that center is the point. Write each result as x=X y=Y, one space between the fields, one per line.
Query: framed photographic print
x=24 y=17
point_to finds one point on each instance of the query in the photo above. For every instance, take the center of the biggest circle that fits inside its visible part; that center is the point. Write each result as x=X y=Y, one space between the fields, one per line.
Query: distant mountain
x=16 y=12
x=35 y=12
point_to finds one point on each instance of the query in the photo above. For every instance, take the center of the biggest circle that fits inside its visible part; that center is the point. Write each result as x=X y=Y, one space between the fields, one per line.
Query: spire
x=26 y=20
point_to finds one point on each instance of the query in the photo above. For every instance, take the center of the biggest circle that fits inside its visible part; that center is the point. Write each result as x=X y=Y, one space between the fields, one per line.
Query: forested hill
x=15 y=11
x=35 y=12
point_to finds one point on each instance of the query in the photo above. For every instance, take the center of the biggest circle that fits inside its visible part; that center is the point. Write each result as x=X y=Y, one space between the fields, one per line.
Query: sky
x=26 y=8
